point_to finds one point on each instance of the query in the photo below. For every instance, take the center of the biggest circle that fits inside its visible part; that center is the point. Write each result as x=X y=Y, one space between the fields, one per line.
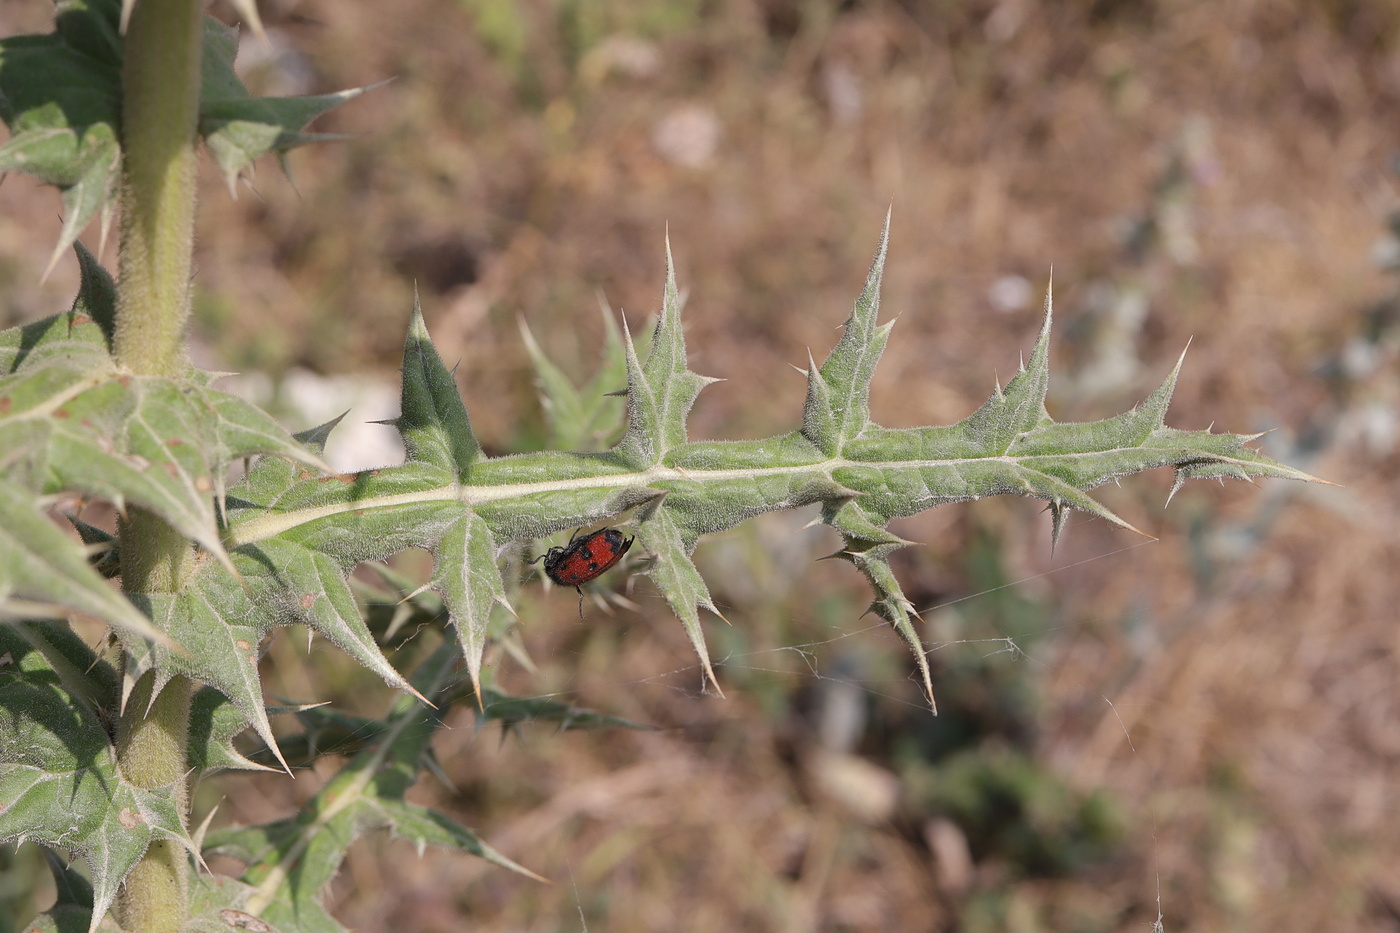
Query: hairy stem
x=160 y=112
x=160 y=116
x=151 y=743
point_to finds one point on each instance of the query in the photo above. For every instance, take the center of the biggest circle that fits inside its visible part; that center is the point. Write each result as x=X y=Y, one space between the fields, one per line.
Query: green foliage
x=60 y=96
x=72 y=423
x=59 y=779
x=290 y=862
x=292 y=536
x=279 y=547
x=586 y=418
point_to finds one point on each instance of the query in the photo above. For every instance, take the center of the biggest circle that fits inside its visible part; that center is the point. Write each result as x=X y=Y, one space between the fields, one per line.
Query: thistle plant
x=99 y=750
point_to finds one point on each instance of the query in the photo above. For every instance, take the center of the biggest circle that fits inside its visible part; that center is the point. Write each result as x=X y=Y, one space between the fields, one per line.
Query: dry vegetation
x=1215 y=172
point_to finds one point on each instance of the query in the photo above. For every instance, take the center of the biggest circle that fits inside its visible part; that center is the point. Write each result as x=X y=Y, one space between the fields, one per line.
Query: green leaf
x=290 y=862
x=330 y=731
x=72 y=888
x=97 y=294
x=679 y=581
x=78 y=668
x=433 y=421
x=587 y=418
x=466 y=575
x=891 y=605
x=239 y=128
x=838 y=395
x=1011 y=417
x=283 y=569
x=215 y=721
x=661 y=391
x=60 y=95
x=248 y=9
x=216 y=906
x=59 y=780
x=513 y=711
x=220 y=630
x=45 y=572
x=326 y=731
x=93 y=28
x=466 y=507
x=71 y=422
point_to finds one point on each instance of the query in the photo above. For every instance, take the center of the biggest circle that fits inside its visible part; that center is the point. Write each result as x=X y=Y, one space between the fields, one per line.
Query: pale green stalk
x=160 y=113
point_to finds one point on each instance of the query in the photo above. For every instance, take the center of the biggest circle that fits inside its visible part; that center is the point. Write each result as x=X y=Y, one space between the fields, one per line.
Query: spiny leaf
x=325 y=603
x=215 y=721
x=78 y=668
x=99 y=162
x=1007 y=415
x=433 y=421
x=97 y=294
x=862 y=531
x=661 y=391
x=864 y=475
x=60 y=95
x=581 y=418
x=891 y=605
x=239 y=128
x=216 y=905
x=59 y=780
x=838 y=395
x=513 y=711
x=70 y=421
x=290 y=862
x=45 y=572
x=466 y=575
x=678 y=580
x=61 y=101
x=327 y=730
x=73 y=889
x=220 y=629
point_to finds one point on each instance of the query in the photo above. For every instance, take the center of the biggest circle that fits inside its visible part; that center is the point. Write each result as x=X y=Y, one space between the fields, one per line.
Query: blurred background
x=1201 y=730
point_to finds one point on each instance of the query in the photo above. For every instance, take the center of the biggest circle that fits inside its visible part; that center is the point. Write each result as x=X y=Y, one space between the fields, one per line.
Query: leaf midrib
x=271 y=525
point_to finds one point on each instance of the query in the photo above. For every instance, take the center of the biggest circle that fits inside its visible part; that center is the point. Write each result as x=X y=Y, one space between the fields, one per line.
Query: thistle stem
x=160 y=113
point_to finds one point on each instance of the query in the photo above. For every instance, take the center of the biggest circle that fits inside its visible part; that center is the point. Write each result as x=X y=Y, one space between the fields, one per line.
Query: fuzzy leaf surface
x=239 y=128
x=862 y=474
x=466 y=574
x=838 y=395
x=71 y=422
x=60 y=95
x=660 y=391
x=433 y=419
x=59 y=780
x=215 y=721
x=44 y=571
x=290 y=862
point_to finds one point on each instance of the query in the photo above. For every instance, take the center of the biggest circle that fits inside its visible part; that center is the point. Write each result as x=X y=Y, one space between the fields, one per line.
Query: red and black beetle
x=585 y=558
